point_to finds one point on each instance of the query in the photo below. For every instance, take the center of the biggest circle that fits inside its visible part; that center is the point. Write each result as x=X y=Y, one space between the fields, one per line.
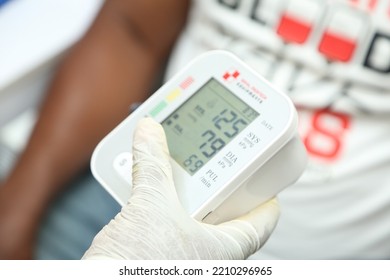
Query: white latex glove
x=154 y=225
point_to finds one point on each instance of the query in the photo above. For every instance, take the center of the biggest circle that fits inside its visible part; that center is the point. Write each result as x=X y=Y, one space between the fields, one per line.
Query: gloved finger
x=253 y=229
x=151 y=167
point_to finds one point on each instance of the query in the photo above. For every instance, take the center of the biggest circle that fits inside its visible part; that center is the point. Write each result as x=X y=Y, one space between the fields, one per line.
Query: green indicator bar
x=156 y=110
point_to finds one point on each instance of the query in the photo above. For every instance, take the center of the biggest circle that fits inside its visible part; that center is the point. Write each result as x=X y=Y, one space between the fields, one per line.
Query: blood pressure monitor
x=232 y=138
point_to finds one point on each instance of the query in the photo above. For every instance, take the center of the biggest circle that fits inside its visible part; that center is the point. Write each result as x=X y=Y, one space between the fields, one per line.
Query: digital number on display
x=204 y=124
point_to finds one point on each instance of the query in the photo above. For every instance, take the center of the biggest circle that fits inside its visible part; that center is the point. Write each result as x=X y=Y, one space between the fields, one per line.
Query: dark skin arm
x=112 y=66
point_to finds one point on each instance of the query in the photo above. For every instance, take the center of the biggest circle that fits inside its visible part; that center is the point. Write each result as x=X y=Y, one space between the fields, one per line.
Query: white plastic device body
x=232 y=137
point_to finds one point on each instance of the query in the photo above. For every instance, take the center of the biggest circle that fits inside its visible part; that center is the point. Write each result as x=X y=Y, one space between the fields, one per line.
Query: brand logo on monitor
x=231 y=75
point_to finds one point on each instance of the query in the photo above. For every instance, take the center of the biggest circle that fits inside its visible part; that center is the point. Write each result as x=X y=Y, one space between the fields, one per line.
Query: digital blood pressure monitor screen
x=204 y=124
x=227 y=129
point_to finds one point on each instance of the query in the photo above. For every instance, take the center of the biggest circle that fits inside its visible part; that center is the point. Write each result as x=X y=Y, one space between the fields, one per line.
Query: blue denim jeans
x=74 y=219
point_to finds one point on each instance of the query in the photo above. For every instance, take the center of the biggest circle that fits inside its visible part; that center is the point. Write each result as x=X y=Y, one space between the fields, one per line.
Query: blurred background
x=33 y=37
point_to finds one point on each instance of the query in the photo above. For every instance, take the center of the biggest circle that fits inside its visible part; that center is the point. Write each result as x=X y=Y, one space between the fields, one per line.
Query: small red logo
x=228 y=76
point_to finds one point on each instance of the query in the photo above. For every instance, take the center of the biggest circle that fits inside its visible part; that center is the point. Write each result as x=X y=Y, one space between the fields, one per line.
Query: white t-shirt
x=333 y=59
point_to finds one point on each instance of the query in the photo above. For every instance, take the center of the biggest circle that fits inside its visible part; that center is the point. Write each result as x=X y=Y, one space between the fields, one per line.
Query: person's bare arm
x=113 y=65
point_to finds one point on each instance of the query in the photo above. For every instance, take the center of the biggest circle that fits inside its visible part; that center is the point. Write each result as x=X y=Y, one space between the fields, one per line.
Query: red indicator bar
x=187 y=82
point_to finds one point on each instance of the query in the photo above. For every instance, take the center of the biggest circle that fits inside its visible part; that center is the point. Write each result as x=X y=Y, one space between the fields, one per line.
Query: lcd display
x=204 y=124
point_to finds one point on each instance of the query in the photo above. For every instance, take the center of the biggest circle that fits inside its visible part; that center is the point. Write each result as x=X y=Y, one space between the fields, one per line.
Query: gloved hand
x=154 y=225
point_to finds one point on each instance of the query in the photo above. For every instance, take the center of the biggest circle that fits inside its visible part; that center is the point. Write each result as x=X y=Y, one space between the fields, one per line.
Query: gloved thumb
x=151 y=167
